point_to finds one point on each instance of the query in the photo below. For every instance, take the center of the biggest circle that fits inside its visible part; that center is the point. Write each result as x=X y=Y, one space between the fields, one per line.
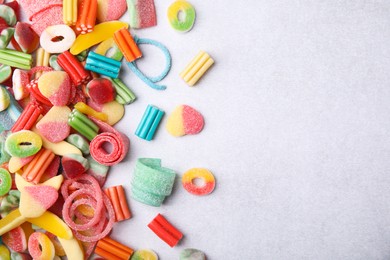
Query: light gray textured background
x=297 y=131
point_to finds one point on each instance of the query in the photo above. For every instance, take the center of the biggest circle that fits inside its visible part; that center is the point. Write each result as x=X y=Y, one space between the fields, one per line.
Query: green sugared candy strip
x=192 y=254
x=23 y=143
x=124 y=95
x=151 y=177
x=5 y=181
x=79 y=141
x=146 y=197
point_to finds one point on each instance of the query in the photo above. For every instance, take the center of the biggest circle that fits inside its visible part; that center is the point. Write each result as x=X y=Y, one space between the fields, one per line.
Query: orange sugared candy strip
x=37 y=167
x=113 y=250
x=116 y=194
x=127 y=45
x=87 y=16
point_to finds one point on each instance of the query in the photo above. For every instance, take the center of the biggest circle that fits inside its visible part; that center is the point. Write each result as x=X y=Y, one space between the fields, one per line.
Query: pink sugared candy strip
x=185 y=120
x=110 y=10
x=142 y=13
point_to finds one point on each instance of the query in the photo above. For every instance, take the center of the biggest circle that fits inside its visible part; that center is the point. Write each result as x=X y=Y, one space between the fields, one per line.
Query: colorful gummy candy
x=184 y=120
x=61 y=114
x=198 y=173
x=192 y=254
x=187 y=10
x=196 y=68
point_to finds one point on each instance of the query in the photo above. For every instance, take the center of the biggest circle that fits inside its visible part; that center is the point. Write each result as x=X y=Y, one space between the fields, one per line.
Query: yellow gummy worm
x=101 y=32
x=52 y=223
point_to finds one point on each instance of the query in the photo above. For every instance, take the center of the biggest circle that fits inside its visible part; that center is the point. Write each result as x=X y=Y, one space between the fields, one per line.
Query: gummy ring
x=198 y=173
x=109 y=49
x=23 y=143
x=57 y=38
x=5 y=181
x=40 y=246
x=174 y=10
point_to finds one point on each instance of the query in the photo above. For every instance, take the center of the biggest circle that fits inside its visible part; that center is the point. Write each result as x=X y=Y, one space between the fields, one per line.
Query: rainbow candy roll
x=83 y=124
x=196 y=68
x=103 y=65
x=124 y=95
x=149 y=123
x=16 y=59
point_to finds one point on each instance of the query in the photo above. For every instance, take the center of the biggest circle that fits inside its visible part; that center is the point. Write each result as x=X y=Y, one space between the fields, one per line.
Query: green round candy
x=192 y=254
x=181 y=24
x=23 y=143
x=5 y=181
x=144 y=254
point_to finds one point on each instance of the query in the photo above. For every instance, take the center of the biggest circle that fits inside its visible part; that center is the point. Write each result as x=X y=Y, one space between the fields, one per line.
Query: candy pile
x=60 y=97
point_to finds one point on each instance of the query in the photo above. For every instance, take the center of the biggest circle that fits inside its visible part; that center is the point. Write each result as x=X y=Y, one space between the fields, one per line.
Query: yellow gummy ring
x=174 y=11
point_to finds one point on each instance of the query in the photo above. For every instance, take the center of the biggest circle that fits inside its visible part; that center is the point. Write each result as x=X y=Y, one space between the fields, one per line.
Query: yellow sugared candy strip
x=52 y=223
x=85 y=109
x=42 y=59
x=196 y=68
x=175 y=124
x=69 y=12
x=72 y=248
x=101 y=32
x=32 y=204
x=60 y=148
x=12 y=220
x=4 y=253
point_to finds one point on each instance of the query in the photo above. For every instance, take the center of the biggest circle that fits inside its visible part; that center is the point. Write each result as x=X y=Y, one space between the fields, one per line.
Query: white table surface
x=297 y=128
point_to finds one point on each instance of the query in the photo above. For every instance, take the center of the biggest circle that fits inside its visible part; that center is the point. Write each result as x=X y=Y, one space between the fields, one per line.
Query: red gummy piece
x=71 y=167
x=15 y=239
x=147 y=13
x=101 y=90
x=15 y=6
x=25 y=39
x=164 y=230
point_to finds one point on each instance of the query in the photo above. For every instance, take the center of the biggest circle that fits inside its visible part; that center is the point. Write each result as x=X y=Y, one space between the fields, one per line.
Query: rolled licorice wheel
x=184 y=7
x=23 y=143
x=5 y=181
x=198 y=173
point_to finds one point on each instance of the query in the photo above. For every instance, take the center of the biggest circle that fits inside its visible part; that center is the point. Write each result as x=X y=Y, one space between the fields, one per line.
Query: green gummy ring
x=189 y=16
x=5 y=181
x=23 y=143
x=151 y=177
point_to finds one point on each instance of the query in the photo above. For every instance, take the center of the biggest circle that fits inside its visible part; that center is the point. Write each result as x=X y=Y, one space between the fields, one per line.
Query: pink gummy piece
x=193 y=120
x=54 y=131
x=45 y=195
x=147 y=13
x=116 y=8
x=47 y=17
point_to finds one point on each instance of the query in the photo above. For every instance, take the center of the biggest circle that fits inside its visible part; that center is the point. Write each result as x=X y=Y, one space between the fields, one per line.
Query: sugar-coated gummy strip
x=16 y=59
x=87 y=110
x=149 y=123
x=127 y=45
x=100 y=32
x=165 y=230
x=181 y=25
x=102 y=65
x=87 y=16
x=196 y=68
x=150 y=81
x=37 y=167
x=69 y=12
x=124 y=95
x=111 y=249
x=73 y=67
x=118 y=148
x=28 y=117
x=118 y=199
x=142 y=13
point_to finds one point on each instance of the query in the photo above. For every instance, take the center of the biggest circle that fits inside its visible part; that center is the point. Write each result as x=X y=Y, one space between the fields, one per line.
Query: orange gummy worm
x=35 y=169
x=118 y=199
x=87 y=16
x=112 y=250
x=127 y=45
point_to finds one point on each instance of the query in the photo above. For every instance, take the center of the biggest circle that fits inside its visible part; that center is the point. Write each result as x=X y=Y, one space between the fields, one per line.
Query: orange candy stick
x=113 y=250
x=127 y=45
x=117 y=196
x=36 y=168
x=87 y=16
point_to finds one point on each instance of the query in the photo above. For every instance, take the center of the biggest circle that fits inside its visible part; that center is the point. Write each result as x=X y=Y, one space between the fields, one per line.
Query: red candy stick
x=28 y=117
x=87 y=16
x=73 y=67
x=37 y=167
x=164 y=230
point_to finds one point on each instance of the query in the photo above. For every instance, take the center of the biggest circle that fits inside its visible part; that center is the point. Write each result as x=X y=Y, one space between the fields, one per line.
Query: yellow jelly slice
x=52 y=223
